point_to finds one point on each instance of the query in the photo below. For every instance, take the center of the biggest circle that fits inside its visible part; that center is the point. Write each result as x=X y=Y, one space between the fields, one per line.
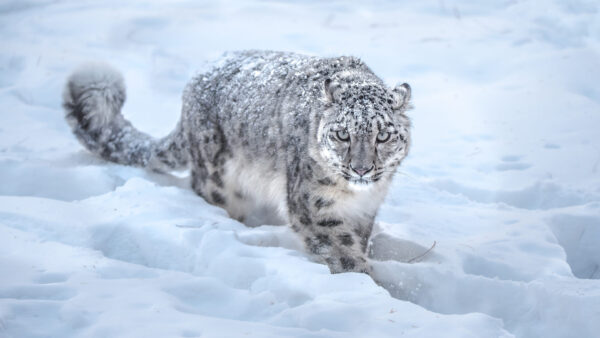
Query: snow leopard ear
x=402 y=96
x=330 y=88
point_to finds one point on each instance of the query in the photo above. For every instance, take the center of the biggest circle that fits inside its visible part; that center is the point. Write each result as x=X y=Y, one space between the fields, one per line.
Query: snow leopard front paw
x=341 y=252
x=348 y=264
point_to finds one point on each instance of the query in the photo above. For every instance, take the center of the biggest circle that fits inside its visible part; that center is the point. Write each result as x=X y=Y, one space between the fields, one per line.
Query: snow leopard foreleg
x=338 y=239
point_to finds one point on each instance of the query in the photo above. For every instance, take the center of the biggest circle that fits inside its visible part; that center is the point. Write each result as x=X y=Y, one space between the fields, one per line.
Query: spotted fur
x=314 y=140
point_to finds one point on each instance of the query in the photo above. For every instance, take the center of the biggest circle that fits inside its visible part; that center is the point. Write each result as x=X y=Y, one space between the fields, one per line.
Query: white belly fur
x=263 y=192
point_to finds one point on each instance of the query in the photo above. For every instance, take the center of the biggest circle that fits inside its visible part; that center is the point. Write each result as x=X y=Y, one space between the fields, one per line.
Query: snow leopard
x=314 y=140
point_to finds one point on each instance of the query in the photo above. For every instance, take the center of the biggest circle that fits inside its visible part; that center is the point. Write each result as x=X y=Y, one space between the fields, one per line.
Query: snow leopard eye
x=383 y=136
x=342 y=135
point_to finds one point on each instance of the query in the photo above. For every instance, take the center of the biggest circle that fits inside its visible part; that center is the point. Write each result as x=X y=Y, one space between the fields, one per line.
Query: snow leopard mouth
x=362 y=181
x=358 y=180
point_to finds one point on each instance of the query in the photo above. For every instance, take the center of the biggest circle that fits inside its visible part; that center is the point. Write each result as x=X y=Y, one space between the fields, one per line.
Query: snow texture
x=503 y=176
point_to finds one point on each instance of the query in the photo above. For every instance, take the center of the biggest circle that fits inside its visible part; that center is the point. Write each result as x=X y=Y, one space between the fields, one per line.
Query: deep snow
x=503 y=176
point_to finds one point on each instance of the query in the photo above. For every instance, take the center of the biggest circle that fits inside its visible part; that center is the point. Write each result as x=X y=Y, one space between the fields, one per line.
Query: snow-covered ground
x=504 y=176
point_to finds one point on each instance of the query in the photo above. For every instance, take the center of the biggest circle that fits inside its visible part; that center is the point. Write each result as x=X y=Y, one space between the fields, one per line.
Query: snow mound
x=169 y=257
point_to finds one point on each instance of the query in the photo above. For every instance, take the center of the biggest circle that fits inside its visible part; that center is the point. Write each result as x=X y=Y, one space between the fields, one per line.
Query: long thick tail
x=93 y=98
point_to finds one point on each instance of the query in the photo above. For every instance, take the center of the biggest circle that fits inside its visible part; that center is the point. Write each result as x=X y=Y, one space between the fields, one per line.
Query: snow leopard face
x=364 y=135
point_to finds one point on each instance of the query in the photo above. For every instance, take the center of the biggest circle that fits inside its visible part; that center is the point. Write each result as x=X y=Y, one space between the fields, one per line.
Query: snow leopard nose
x=361 y=171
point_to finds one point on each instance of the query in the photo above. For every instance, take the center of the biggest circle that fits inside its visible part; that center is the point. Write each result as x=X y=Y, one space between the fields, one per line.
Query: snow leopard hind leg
x=210 y=150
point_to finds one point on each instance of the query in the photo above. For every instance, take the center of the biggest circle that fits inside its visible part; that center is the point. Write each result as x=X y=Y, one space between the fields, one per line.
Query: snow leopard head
x=364 y=133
